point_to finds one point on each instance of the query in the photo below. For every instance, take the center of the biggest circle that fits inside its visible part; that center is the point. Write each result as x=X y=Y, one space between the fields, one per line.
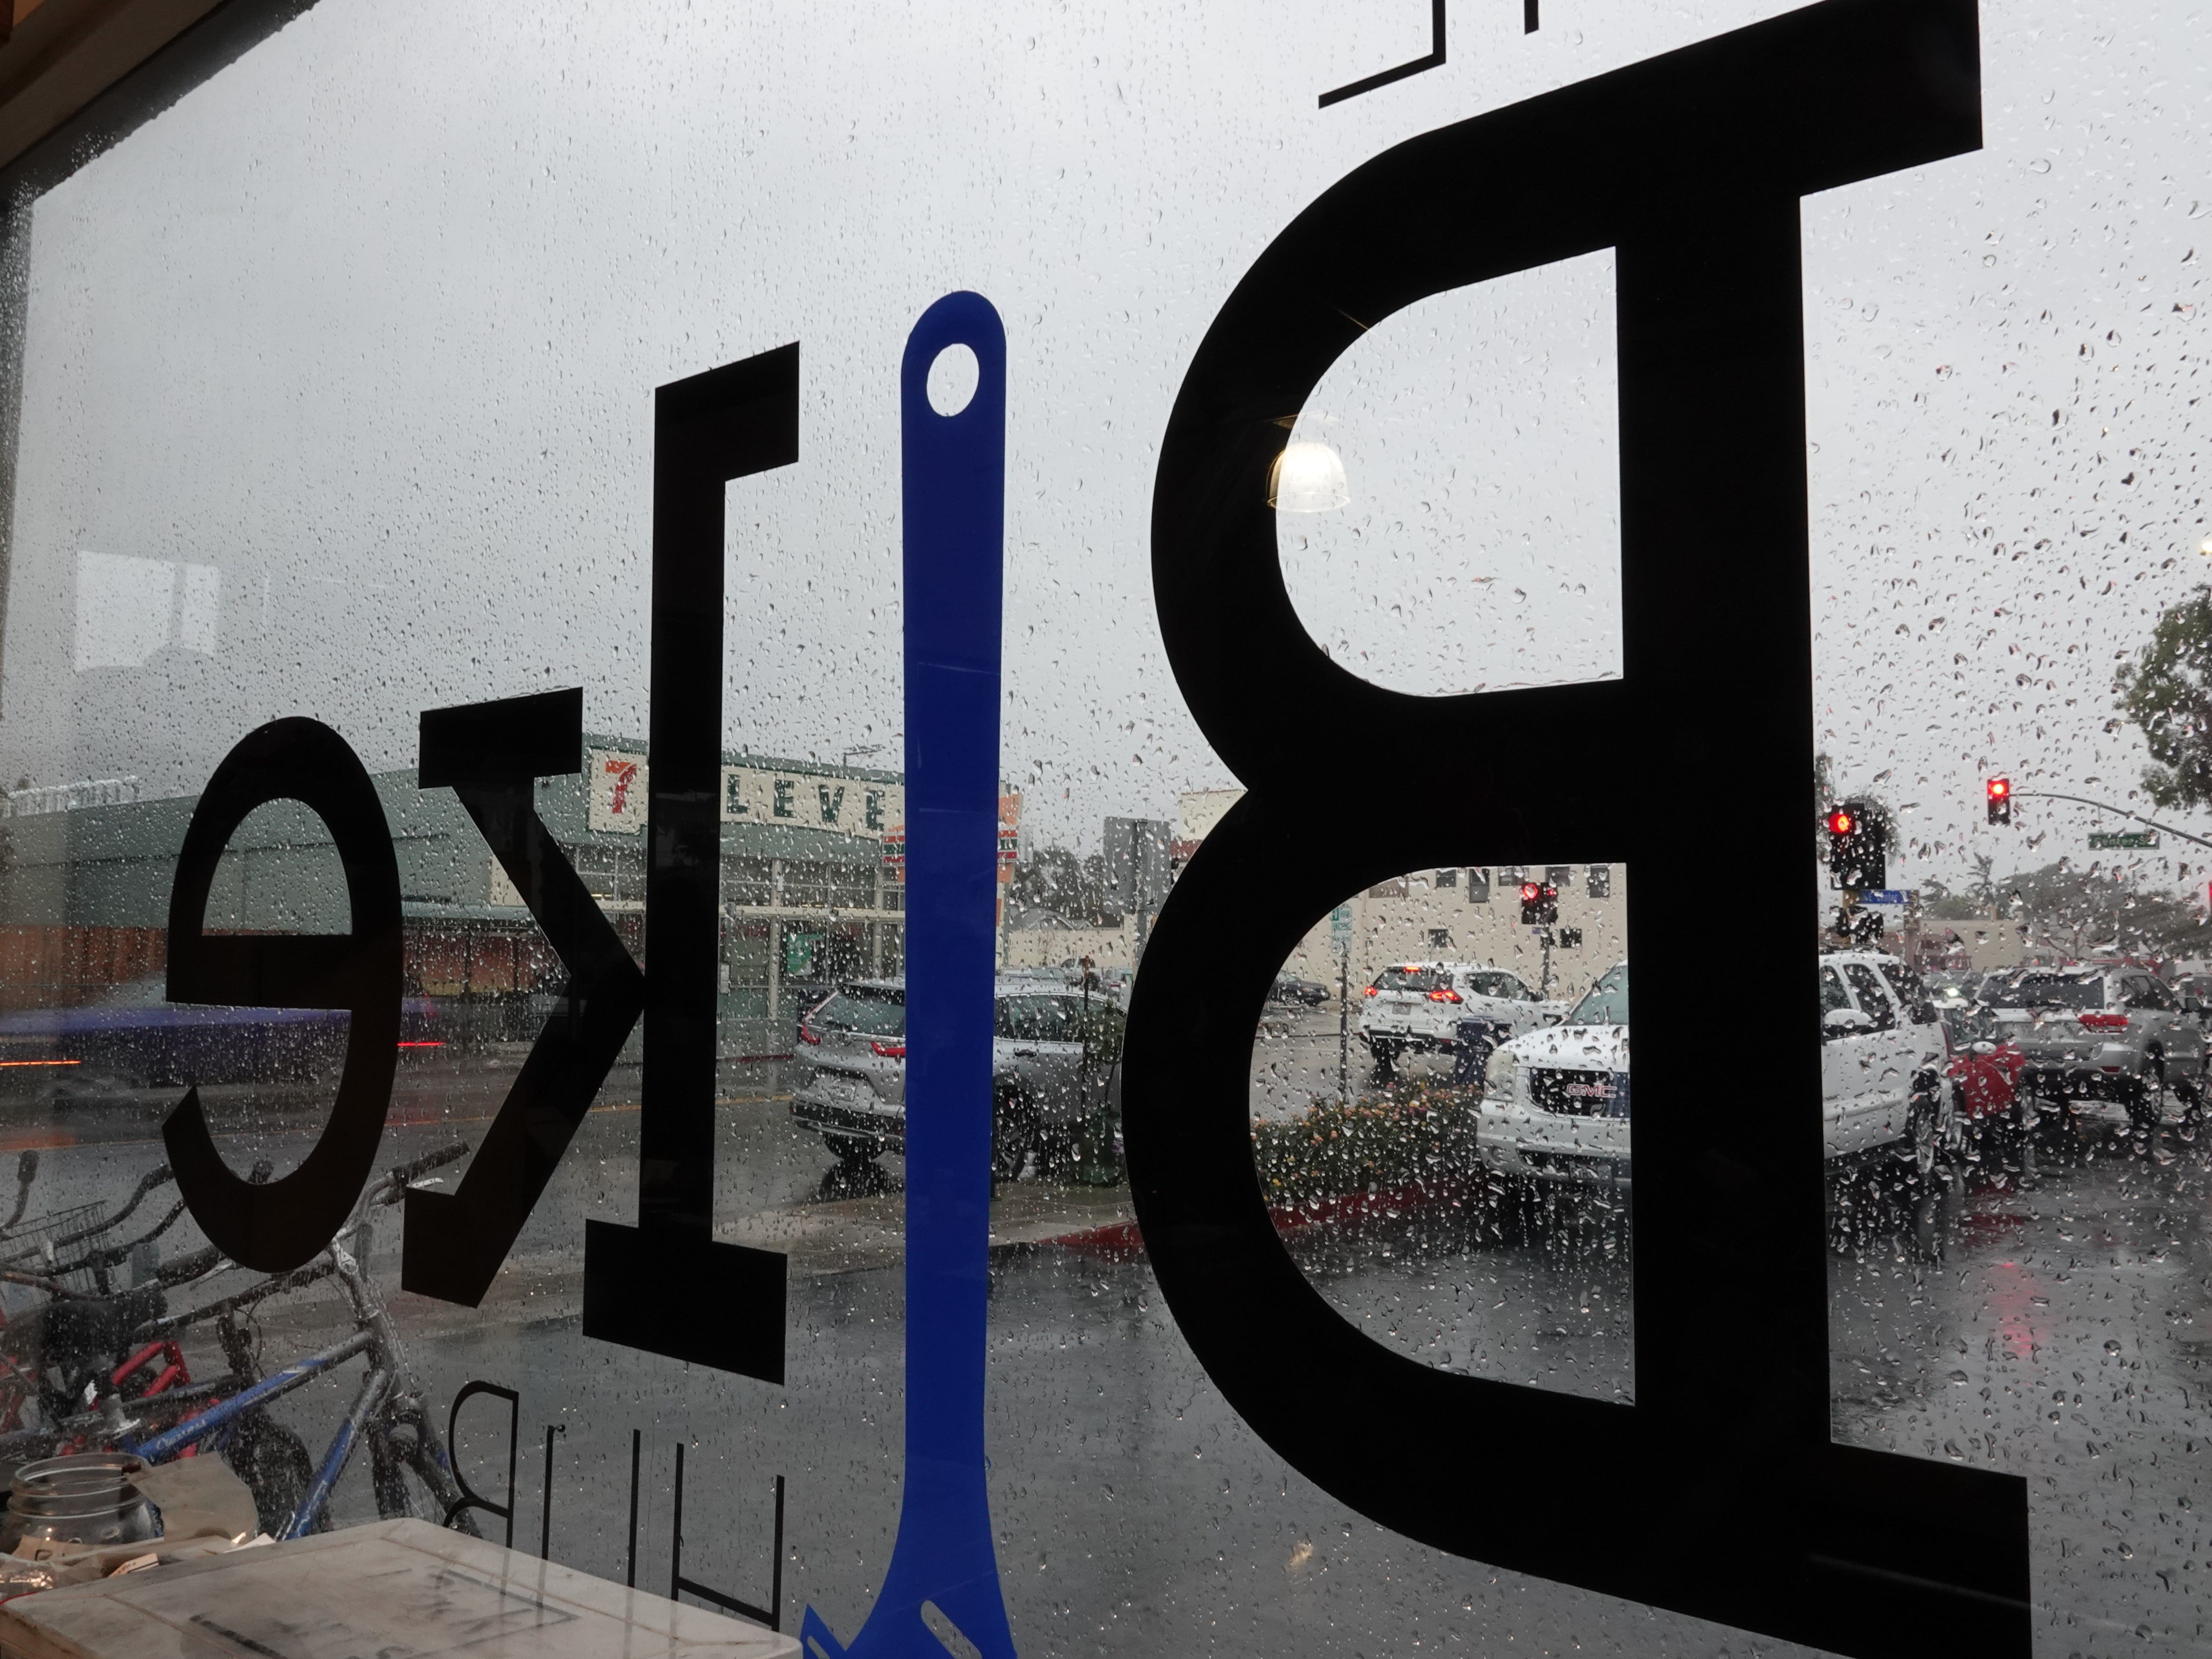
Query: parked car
x=1951 y=988
x=2105 y=1031
x=1056 y=1066
x=1417 y=1007
x=1985 y=1073
x=1287 y=988
x=133 y=1037
x=1556 y=1101
x=2194 y=991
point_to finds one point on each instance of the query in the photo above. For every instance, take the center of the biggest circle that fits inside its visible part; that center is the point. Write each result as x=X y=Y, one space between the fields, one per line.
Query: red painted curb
x=1123 y=1241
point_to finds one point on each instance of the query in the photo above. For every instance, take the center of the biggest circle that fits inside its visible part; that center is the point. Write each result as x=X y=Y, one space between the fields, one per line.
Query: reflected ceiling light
x=1307 y=477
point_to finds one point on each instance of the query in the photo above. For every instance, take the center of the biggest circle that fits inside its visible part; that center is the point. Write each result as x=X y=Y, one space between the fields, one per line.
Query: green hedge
x=1374 y=1144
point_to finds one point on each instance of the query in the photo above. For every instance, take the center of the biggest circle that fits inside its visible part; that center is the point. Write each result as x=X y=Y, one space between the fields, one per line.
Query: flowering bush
x=1376 y=1144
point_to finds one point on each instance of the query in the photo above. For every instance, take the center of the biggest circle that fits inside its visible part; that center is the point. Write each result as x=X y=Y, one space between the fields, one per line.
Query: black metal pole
x=636 y=1442
x=676 y=1530
x=776 y=1573
x=545 y=1510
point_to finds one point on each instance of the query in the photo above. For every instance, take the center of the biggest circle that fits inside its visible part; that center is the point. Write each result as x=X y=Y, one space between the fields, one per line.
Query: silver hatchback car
x=1055 y=1066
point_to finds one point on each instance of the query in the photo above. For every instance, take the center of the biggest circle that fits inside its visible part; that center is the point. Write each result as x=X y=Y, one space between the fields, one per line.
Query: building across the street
x=1469 y=915
x=812 y=888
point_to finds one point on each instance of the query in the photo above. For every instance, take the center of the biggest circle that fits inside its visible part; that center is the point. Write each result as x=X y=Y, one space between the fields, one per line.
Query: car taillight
x=1444 y=996
x=807 y=1036
x=888 y=1050
x=2105 y=1022
x=1373 y=991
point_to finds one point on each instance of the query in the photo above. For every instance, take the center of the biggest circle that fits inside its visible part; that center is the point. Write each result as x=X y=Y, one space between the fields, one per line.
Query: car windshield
x=1606 y=1003
x=2057 y=990
x=1415 y=979
x=874 y=1010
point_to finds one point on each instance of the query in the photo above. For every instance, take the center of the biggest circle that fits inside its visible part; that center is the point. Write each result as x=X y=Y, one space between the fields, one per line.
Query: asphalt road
x=2059 y=1329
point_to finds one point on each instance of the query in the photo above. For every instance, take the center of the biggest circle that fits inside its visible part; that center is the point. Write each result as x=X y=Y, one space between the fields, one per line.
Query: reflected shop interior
x=824 y=834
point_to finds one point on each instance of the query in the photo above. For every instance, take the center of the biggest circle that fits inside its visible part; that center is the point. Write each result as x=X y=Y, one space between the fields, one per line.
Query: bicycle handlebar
x=406 y=1174
x=159 y=1176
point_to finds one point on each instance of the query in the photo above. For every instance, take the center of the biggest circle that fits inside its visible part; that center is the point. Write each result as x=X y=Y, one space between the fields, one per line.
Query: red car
x=1987 y=1072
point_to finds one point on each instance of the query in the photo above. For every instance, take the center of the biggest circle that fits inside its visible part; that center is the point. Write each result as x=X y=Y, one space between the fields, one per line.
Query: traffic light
x=1857 y=853
x=2000 y=800
x=1539 y=904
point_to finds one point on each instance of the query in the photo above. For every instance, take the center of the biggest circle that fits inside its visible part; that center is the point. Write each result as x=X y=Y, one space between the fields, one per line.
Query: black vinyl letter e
x=276 y=1227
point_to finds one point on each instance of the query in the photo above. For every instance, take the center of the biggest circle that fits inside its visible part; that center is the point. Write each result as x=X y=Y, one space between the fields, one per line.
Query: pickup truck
x=1555 y=1105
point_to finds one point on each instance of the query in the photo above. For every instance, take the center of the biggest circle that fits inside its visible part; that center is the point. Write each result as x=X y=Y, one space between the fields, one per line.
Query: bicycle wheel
x=277 y=1469
x=408 y=1440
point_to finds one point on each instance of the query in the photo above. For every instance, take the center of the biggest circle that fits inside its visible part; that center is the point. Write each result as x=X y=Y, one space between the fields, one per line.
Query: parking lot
x=2056 y=1325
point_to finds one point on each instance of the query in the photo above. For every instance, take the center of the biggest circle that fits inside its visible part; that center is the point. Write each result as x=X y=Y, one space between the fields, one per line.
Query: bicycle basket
x=33 y=1246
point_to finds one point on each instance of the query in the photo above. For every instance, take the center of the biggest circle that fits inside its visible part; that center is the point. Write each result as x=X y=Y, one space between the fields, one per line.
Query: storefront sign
x=811 y=800
x=618 y=780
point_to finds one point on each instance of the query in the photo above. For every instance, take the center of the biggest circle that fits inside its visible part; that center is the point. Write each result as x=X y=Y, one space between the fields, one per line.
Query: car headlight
x=1498 y=1077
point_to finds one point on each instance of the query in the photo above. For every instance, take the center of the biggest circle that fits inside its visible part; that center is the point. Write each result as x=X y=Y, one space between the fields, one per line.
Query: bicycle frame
x=374 y=1412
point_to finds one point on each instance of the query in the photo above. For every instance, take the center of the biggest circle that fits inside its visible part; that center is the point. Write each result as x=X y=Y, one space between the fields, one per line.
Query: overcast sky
x=338 y=388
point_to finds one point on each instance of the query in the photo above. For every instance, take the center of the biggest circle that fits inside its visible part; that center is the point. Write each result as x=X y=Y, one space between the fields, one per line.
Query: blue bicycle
x=230 y=1415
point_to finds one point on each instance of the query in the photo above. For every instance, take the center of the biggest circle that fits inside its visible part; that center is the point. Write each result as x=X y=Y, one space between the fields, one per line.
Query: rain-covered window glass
x=477 y=484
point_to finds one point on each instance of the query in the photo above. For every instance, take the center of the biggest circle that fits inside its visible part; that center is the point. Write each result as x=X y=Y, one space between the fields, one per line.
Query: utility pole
x=1343 y=1022
x=1137 y=883
x=1339 y=933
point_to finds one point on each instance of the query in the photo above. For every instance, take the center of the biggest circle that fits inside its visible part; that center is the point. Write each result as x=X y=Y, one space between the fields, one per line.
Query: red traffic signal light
x=1858 y=847
x=1539 y=904
x=2000 y=800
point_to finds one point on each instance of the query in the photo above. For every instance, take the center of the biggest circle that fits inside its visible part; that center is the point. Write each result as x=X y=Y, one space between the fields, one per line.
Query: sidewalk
x=858 y=1235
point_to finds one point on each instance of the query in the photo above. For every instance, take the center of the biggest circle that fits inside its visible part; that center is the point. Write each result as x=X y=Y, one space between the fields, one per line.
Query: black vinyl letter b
x=1719 y=1493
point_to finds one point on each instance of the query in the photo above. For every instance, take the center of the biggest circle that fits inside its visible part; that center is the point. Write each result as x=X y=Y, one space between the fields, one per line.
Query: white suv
x=1555 y=1102
x=1417 y=1006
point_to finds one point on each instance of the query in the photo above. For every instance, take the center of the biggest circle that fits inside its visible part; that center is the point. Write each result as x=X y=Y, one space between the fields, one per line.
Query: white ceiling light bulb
x=1307 y=477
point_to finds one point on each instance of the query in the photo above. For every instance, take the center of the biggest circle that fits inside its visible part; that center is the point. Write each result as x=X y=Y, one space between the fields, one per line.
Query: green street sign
x=2118 y=839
